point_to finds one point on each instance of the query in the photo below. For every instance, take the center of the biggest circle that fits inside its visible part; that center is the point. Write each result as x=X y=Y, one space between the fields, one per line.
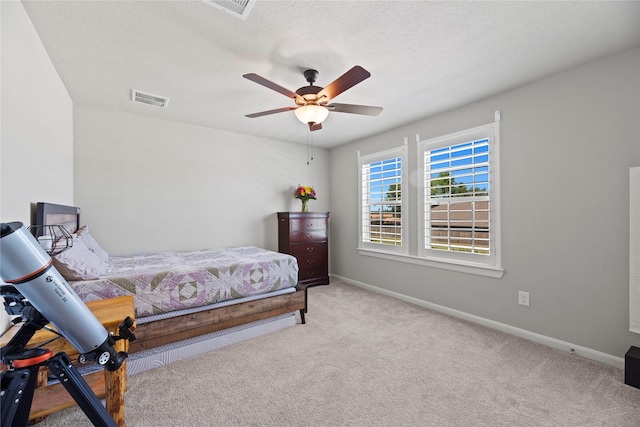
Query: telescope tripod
x=19 y=372
x=17 y=393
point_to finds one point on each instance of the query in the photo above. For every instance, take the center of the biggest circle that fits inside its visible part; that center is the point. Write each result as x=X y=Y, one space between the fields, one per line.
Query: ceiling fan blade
x=271 y=85
x=266 y=113
x=355 y=109
x=342 y=83
x=315 y=126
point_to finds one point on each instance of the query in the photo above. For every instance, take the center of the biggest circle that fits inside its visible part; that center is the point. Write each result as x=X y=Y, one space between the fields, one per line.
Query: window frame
x=411 y=253
x=398 y=152
x=493 y=260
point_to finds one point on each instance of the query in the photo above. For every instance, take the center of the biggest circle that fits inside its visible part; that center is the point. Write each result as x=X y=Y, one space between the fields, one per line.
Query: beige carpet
x=364 y=359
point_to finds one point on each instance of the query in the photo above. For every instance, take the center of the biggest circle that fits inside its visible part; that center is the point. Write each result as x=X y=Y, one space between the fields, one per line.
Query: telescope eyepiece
x=8 y=228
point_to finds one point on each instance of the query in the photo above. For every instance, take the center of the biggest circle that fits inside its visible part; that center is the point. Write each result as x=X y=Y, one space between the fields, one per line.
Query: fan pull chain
x=309 y=146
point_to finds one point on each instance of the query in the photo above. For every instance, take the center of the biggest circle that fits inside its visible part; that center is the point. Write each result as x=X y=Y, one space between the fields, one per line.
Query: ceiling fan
x=312 y=101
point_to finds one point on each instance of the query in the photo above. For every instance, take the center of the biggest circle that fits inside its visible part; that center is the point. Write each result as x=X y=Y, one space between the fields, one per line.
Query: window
x=382 y=202
x=454 y=218
x=459 y=187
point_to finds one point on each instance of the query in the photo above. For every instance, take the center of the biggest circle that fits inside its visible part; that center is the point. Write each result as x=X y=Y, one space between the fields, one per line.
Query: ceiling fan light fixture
x=312 y=106
x=311 y=113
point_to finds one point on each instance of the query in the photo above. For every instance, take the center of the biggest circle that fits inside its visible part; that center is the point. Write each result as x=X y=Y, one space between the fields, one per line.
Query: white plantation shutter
x=457 y=197
x=459 y=207
x=381 y=200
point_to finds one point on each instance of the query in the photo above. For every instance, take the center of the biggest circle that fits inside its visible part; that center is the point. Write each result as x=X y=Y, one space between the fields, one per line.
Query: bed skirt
x=170 y=353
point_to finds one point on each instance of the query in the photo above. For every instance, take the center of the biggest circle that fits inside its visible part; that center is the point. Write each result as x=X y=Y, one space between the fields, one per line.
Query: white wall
x=146 y=184
x=567 y=143
x=36 y=132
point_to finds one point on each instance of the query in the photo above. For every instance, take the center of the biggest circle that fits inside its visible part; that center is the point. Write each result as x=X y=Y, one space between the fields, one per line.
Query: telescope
x=25 y=265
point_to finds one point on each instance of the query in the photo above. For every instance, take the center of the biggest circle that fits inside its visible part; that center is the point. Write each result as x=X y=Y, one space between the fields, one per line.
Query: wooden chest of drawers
x=305 y=236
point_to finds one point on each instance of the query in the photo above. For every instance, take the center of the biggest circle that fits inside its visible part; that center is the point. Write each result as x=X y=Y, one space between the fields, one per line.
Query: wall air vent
x=238 y=8
x=147 y=98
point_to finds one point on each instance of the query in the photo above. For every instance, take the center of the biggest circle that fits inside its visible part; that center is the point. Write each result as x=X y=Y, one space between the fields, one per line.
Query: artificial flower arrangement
x=305 y=193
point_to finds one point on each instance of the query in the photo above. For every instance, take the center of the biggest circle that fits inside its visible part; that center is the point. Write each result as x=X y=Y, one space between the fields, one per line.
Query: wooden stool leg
x=43 y=379
x=115 y=386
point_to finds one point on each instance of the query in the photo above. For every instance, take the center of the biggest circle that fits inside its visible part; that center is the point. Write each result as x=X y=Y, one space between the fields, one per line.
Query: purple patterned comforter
x=170 y=281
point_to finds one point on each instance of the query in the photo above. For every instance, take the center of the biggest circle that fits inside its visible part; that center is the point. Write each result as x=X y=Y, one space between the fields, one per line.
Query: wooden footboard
x=167 y=331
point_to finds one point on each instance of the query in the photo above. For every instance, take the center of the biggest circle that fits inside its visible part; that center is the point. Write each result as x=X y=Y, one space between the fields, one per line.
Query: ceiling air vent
x=238 y=8
x=147 y=98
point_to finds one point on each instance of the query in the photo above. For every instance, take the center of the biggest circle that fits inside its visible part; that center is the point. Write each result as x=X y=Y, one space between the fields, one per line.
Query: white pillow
x=87 y=238
x=79 y=263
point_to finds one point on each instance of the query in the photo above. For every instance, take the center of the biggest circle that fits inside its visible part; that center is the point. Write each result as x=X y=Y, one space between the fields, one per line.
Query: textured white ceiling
x=424 y=57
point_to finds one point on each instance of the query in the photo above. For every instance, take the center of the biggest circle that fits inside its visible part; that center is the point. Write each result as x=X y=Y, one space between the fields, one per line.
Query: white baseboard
x=617 y=362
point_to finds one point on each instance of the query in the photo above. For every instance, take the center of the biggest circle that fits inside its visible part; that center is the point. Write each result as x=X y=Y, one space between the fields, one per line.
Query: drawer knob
x=310 y=261
x=309 y=248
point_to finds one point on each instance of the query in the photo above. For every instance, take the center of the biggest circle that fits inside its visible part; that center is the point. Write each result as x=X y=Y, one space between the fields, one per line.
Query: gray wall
x=567 y=143
x=36 y=139
x=150 y=185
x=36 y=131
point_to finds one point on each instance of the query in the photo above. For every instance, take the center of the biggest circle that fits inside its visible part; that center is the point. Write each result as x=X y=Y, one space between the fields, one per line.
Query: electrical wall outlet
x=523 y=298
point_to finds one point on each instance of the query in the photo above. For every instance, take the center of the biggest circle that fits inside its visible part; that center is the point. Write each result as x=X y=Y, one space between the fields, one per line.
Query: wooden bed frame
x=173 y=329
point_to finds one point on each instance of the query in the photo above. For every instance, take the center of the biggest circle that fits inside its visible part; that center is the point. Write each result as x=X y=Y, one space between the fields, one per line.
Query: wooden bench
x=109 y=385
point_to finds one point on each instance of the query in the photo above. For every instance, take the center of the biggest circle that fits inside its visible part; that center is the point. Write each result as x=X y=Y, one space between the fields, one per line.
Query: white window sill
x=462 y=267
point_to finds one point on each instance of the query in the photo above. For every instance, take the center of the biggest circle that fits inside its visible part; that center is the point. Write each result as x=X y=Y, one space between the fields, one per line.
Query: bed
x=178 y=296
